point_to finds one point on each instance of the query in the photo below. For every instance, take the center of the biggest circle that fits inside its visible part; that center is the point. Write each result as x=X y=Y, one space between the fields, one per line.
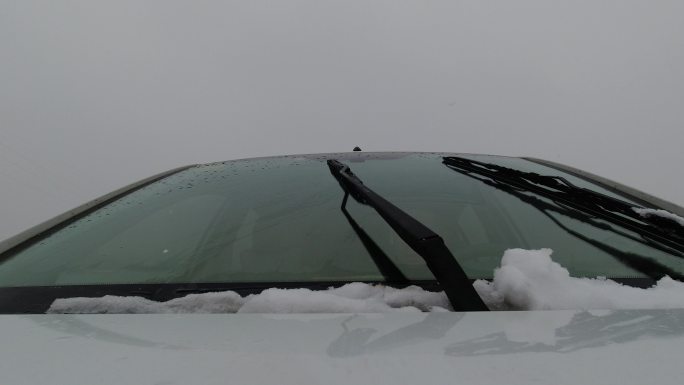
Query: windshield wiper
x=568 y=195
x=428 y=244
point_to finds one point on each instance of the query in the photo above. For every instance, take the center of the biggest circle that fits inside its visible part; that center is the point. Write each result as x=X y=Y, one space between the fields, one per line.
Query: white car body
x=546 y=347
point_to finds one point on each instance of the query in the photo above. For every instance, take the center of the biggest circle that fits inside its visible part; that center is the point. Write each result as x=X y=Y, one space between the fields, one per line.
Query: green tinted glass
x=279 y=220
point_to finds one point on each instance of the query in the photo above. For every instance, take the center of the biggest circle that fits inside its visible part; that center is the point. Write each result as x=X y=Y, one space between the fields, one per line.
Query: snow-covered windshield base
x=526 y=280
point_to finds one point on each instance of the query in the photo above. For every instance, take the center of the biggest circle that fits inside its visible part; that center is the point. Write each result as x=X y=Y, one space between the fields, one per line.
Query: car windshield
x=278 y=219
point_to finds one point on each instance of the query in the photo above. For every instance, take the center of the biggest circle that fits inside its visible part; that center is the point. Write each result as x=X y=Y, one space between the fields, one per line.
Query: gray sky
x=94 y=95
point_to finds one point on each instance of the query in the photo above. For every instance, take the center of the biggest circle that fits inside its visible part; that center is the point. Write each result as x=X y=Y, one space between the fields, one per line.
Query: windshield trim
x=38 y=299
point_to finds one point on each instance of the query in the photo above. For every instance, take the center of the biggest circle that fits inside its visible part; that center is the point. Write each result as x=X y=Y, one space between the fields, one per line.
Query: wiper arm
x=428 y=244
x=565 y=193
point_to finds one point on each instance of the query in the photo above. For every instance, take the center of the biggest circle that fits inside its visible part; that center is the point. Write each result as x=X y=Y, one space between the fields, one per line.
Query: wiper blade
x=428 y=244
x=563 y=192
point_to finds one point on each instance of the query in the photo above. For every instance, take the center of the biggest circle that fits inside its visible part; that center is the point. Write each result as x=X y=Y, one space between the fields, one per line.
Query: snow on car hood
x=355 y=297
x=547 y=347
x=526 y=280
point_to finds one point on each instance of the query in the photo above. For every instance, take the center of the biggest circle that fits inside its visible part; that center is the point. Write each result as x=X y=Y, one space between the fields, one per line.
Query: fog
x=95 y=95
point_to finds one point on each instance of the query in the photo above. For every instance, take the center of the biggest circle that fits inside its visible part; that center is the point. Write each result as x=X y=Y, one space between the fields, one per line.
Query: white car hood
x=545 y=347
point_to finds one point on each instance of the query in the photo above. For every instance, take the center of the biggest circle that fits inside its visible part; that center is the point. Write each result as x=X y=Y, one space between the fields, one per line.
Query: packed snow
x=351 y=298
x=659 y=213
x=218 y=302
x=526 y=280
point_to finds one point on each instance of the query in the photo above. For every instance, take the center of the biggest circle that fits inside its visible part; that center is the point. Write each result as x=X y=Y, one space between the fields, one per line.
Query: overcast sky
x=94 y=95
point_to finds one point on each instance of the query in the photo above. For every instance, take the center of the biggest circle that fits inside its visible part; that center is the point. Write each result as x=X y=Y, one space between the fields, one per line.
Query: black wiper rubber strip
x=563 y=192
x=428 y=244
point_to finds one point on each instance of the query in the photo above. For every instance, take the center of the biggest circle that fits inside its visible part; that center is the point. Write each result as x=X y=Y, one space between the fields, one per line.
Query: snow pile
x=530 y=280
x=659 y=213
x=351 y=298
